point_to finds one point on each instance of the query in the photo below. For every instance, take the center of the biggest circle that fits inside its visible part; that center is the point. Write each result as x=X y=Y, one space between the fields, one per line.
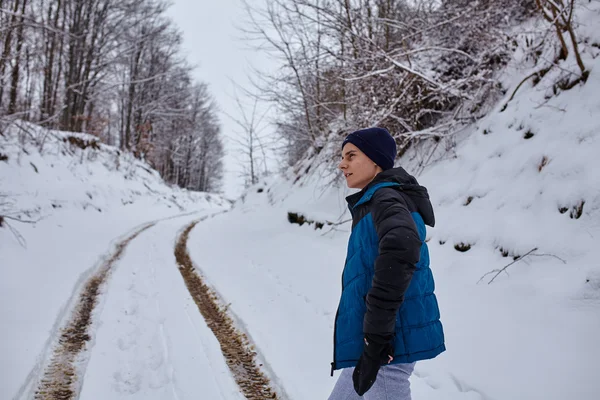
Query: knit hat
x=376 y=143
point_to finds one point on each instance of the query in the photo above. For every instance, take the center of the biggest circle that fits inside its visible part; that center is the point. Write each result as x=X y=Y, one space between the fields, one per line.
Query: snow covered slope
x=84 y=197
x=522 y=186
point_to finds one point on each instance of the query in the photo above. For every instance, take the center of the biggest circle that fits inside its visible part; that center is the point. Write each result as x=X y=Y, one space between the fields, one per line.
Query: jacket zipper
x=336 y=317
x=334 y=329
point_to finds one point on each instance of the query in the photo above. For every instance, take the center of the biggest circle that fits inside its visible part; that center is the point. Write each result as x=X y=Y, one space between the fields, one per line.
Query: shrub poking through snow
x=296 y=218
x=528 y=134
x=81 y=143
x=507 y=253
x=3 y=157
x=469 y=200
x=577 y=210
x=543 y=163
x=462 y=247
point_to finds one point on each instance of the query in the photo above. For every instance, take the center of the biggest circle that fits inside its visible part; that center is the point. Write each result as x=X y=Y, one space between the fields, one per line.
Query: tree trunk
x=14 y=87
x=49 y=86
x=131 y=98
x=6 y=54
x=349 y=27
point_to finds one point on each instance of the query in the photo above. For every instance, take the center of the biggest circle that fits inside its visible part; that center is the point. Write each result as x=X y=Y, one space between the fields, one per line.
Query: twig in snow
x=545 y=104
x=4 y=217
x=150 y=189
x=20 y=239
x=334 y=225
x=549 y=255
x=536 y=73
x=499 y=271
x=529 y=253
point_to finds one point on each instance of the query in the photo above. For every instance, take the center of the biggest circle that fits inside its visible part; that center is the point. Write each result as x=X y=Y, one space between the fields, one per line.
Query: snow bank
x=84 y=200
x=523 y=180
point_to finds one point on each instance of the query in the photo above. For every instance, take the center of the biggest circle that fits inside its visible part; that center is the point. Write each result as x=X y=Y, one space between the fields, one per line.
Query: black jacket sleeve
x=399 y=251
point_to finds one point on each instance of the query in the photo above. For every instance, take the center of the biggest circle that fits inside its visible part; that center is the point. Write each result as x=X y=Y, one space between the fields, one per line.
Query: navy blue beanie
x=376 y=143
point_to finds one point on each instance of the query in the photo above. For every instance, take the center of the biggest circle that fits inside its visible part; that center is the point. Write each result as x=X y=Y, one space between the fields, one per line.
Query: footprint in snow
x=127 y=382
x=131 y=308
x=125 y=342
x=156 y=359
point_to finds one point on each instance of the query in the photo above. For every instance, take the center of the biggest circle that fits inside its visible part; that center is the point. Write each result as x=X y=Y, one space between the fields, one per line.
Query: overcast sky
x=212 y=43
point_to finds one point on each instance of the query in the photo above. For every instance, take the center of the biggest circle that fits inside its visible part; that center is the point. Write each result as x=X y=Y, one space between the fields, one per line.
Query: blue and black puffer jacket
x=387 y=285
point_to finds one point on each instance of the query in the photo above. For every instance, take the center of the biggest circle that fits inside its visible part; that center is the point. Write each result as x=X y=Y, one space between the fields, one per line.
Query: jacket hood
x=408 y=185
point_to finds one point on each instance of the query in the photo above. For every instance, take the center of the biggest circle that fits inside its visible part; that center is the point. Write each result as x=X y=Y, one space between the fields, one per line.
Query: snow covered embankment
x=84 y=197
x=520 y=185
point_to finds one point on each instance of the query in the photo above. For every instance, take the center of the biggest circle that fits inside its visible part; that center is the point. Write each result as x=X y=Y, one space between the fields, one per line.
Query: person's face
x=358 y=169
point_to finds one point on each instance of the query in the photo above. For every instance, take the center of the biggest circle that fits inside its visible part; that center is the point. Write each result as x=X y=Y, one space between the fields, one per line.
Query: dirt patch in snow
x=59 y=381
x=236 y=347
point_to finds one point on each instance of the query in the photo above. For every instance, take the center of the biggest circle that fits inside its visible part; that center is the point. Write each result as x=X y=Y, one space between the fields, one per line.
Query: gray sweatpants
x=391 y=384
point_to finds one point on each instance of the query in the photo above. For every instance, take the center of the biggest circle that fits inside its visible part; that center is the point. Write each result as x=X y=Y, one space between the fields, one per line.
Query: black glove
x=378 y=350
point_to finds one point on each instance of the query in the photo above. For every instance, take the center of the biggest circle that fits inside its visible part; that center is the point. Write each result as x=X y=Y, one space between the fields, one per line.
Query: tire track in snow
x=59 y=380
x=163 y=338
x=236 y=348
x=165 y=349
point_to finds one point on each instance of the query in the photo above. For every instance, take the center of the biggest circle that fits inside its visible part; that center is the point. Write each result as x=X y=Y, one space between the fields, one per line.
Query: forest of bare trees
x=114 y=69
x=421 y=68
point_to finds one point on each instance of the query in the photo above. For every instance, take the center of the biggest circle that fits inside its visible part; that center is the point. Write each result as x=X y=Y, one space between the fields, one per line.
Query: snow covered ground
x=152 y=342
x=85 y=201
x=521 y=182
x=510 y=340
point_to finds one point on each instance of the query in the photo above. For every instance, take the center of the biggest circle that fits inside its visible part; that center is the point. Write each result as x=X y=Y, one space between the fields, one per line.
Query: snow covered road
x=151 y=342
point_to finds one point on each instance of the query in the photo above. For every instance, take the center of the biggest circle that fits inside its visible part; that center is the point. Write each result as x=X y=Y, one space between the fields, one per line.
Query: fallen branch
x=549 y=255
x=334 y=226
x=540 y=74
x=4 y=217
x=4 y=222
x=150 y=189
x=499 y=271
x=20 y=239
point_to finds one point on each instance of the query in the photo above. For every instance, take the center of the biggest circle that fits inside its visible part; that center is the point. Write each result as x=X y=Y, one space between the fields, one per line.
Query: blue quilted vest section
x=419 y=333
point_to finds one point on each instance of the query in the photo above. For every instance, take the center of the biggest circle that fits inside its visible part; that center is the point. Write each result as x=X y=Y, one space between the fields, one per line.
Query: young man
x=388 y=316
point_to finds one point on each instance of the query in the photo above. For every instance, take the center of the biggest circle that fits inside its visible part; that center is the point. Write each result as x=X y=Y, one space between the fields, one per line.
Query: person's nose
x=342 y=165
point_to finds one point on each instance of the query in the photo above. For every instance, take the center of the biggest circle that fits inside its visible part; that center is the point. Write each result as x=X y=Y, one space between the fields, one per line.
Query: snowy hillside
x=48 y=170
x=522 y=186
x=83 y=196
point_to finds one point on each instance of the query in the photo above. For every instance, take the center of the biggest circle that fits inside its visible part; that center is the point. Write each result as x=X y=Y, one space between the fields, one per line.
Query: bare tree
x=560 y=14
x=190 y=155
x=252 y=142
x=420 y=68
